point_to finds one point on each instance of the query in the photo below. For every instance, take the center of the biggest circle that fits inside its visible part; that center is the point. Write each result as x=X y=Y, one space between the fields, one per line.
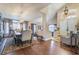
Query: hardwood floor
x=43 y=48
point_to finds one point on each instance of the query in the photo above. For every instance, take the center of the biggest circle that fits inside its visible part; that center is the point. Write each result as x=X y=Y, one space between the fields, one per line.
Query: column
x=45 y=31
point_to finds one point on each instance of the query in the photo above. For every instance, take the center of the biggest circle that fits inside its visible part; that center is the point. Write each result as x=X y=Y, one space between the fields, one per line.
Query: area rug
x=14 y=48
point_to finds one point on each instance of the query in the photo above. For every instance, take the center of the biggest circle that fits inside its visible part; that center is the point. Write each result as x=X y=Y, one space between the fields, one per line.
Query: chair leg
x=61 y=44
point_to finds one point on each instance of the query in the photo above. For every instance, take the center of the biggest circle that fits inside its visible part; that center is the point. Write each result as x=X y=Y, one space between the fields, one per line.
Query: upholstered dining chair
x=27 y=36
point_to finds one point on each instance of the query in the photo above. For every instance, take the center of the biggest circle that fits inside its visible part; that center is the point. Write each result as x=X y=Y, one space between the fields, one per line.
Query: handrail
x=3 y=45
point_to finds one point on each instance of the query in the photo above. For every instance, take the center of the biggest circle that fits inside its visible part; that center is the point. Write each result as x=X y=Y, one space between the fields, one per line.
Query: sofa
x=72 y=41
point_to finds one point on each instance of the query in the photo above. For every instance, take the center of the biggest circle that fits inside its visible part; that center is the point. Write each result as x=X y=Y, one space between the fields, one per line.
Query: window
x=16 y=25
x=52 y=28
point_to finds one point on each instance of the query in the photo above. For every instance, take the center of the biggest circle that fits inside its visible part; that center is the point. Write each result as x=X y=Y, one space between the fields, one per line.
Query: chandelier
x=66 y=10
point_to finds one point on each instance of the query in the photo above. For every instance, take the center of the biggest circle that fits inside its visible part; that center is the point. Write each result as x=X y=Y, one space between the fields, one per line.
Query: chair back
x=26 y=35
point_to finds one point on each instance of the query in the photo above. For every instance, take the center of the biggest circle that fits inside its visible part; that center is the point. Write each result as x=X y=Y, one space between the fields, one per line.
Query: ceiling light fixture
x=66 y=10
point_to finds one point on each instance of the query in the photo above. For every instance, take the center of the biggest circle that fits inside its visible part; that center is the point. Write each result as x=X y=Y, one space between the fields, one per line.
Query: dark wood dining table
x=18 y=37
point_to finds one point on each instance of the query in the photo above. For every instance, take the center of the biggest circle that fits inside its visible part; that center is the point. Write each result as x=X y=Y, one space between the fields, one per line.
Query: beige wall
x=51 y=11
x=72 y=18
x=48 y=16
x=43 y=23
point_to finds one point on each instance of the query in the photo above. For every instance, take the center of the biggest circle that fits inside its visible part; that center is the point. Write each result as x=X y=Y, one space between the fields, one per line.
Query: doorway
x=33 y=27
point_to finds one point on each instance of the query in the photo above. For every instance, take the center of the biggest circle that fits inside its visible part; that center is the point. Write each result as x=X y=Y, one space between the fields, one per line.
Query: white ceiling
x=23 y=11
x=29 y=11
